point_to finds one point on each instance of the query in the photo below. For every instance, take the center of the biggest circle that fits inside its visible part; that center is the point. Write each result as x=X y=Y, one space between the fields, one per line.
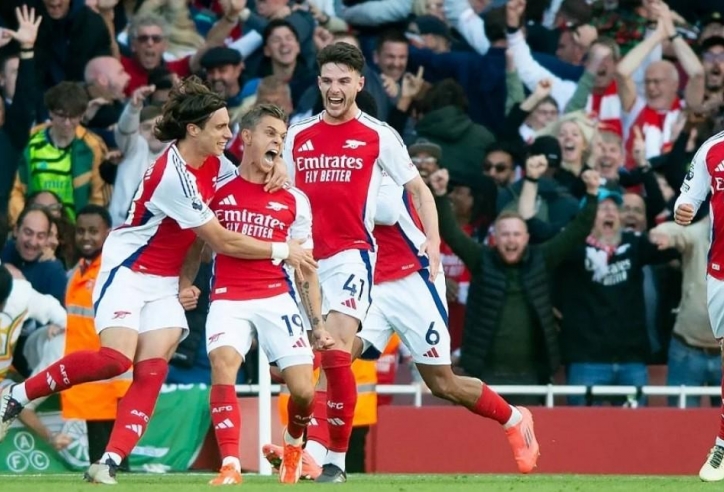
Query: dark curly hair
x=342 y=54
x=190 y=103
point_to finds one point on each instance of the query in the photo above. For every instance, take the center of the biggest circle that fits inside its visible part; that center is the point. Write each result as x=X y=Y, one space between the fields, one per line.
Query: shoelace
x=717 y=455
x=292 y=453
x=112 y=467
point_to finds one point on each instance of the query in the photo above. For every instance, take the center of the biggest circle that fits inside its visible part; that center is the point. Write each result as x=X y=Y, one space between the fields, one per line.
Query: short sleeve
x=227 y=170
x=389 y=201
x=178 y=197
x=302 y=226
x=288 y=154
x=394 y=158
x=698 y=181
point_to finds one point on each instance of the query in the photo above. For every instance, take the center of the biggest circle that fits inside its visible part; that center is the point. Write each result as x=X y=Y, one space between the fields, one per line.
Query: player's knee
x=225 y=364
x=116 y=362
x=304 y=395
x=151 y=371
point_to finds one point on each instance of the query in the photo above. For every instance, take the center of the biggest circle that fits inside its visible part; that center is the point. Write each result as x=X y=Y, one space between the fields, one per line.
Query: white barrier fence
x=265 y=390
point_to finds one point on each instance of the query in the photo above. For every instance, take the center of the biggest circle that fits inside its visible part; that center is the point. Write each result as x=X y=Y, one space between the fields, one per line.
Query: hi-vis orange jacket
x=89 y=401
x=365 y=413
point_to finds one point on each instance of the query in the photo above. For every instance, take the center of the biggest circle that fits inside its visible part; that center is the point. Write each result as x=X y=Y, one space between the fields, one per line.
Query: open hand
x=28 y=25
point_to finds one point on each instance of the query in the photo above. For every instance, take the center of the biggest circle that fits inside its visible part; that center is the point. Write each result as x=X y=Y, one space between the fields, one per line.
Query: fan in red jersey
x=706 y=175
x=136 y=299
x=337 y=159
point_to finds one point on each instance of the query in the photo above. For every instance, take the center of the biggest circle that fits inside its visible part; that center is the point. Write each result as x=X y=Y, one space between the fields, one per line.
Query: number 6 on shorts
x=432 y=337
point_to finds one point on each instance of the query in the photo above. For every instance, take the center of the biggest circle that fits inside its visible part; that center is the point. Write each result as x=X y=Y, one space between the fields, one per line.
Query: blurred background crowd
x=629 y=88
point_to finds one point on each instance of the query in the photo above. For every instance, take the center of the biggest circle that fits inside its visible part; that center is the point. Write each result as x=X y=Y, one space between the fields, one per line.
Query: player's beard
x=337 y=110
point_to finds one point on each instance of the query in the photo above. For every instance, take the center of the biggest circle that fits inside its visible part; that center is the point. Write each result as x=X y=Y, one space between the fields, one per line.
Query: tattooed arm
x=306 y=278
x=311 y=298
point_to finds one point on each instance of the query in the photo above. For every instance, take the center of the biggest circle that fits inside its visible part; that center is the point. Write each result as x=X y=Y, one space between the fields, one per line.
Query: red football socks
x=299 y=417
x=76 y=368
x=341 y=398
x=136 y=407
x=493 y=406
x=318 y=429
x=226 y=418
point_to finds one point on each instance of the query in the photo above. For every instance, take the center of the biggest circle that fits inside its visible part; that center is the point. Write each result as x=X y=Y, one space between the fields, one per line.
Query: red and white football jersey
x=170 y=201
x=339 y=167
x=707 y=174
x=398 y=245
x=244 y=207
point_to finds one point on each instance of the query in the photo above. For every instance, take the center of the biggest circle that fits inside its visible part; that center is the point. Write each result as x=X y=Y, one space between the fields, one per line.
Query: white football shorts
x=346 y=281
x=276 y=321
x=128 y=299
x=415 y=309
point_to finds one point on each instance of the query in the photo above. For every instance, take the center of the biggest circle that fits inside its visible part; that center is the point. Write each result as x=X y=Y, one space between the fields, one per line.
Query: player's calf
x=299 y=380
x=443 y=383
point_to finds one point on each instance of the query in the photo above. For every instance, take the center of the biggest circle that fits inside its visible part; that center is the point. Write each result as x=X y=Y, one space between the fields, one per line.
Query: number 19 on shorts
x=292 y=322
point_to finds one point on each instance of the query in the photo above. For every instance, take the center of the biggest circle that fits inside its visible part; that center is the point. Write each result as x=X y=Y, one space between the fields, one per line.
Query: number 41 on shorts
x=351 y=286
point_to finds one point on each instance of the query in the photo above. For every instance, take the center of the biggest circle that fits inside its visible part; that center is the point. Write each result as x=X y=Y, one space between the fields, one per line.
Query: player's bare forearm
x=246 y=247
x=425 y=205
x=233 y=244
x=190 y=268
x=311 y=296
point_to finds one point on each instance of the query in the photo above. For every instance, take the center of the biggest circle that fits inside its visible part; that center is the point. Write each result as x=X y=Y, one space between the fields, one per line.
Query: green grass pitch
x=374 y=483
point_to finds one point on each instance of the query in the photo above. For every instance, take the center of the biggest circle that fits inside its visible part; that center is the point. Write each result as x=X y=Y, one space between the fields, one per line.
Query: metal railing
x=265 y=389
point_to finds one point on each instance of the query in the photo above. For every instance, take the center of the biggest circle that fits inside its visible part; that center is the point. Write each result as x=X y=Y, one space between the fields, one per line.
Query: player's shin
x=318 y=430
x=136 y=407
x=226 y=418
x=341 y=401
x=300 y=414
